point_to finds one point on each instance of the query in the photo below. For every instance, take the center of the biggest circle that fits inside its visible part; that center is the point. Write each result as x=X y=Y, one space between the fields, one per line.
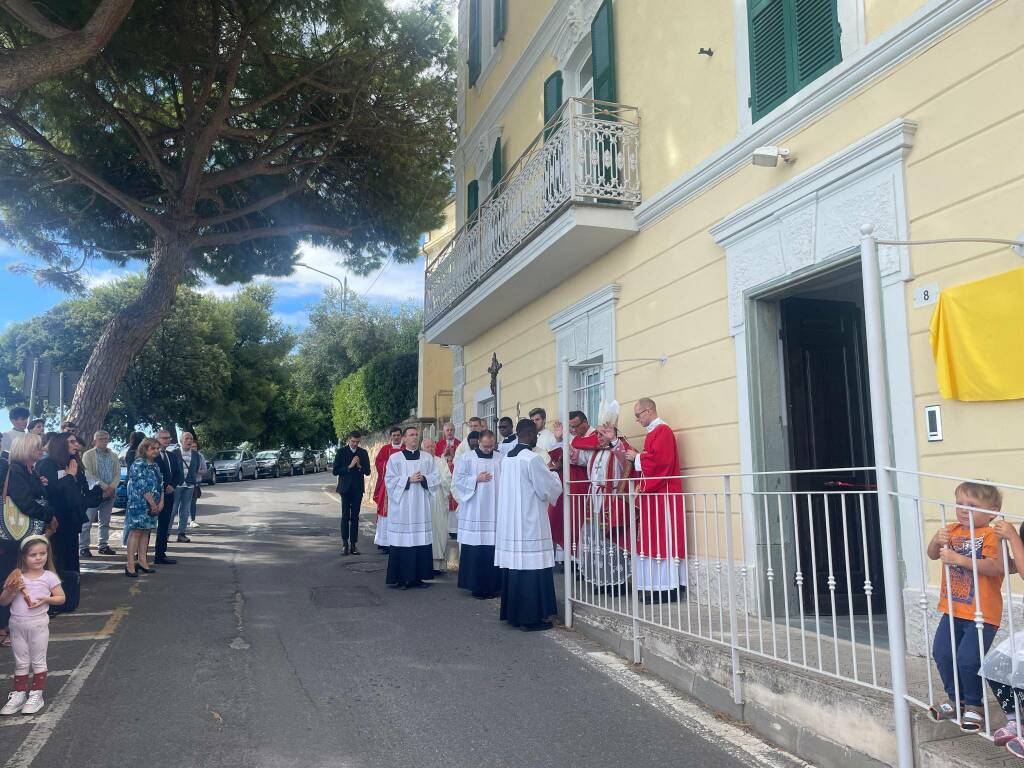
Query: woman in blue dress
x=144 y=503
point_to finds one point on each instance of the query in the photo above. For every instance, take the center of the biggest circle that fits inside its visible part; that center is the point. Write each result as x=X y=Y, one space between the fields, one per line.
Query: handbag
x=15 y=525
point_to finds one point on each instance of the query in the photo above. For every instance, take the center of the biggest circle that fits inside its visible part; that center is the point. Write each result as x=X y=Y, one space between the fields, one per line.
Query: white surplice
x=506 y=445
x=478 y=501
x=410 y=505
x=439 y=514
x=523 y=533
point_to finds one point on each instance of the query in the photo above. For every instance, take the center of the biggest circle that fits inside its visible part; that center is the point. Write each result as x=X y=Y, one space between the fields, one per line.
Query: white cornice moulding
x=598 y=299
x=897 y=136
x=872 y=62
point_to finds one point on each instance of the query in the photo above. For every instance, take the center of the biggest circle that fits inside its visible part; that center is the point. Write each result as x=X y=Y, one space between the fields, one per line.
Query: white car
x=234 y=465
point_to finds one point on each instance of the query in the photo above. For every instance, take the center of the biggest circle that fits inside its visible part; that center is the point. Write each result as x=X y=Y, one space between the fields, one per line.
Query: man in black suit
x=351 y=465
x=173 y=472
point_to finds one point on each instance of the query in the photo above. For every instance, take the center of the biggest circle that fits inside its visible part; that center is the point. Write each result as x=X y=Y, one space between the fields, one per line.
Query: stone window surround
x=586 y=332
x=812 y=224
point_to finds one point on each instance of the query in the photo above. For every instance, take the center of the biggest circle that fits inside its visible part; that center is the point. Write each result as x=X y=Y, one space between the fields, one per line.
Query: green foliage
x=337 y=344
x=391 y=387
x=351 y=410
x=337 y=128
x=215 y=365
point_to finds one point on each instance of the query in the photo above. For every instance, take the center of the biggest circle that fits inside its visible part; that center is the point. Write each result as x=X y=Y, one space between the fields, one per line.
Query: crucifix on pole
x=493 y=370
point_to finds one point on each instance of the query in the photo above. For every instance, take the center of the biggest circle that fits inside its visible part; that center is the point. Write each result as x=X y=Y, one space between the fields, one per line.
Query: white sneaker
x=193 y=524
x=34 y=704
x=15 y=701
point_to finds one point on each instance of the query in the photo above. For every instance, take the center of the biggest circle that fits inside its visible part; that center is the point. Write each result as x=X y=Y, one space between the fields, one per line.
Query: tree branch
x=166 y=174
x=261 y=204
x=81 y=172
x=62 y=50
x=241 y=236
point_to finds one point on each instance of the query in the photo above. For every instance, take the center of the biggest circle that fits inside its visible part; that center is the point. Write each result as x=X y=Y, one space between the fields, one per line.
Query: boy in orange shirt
x=961 y=598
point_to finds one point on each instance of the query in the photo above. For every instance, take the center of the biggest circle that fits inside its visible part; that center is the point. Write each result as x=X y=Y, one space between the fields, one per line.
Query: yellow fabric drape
x=977 y=336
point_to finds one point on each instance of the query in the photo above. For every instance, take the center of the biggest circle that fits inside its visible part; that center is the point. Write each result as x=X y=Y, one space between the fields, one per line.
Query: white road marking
x=76 y=614
x=44 y=725
x=738 y=742
x=77 y=638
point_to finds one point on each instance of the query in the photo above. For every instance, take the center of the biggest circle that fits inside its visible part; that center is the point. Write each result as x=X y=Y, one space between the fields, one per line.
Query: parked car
x=234 y=465
x=322 y=463
x=273 y=464
x=303 y=462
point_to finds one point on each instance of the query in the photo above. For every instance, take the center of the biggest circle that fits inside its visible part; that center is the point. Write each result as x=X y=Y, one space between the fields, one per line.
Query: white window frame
x=585 y=335
x=852 y=39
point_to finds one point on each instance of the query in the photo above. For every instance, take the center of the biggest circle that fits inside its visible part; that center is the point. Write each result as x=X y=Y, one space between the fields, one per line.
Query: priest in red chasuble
x=661 y=519
x=380 y=495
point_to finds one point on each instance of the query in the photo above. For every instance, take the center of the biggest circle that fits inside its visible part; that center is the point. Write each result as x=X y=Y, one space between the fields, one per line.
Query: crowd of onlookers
x=55 y=487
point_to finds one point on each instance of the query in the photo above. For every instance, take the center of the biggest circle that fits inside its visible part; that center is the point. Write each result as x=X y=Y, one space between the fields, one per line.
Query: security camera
x=768 y=157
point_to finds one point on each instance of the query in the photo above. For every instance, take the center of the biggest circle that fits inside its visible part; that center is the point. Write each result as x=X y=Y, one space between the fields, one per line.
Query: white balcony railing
x=587 y=154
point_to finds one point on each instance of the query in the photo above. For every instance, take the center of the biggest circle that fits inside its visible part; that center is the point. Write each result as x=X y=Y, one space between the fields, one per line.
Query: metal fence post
x=634 y=599
x=730 y=581
x=566 y=490
x=881 y=426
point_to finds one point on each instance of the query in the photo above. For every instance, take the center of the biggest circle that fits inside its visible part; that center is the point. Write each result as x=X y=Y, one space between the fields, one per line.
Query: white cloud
x=398 y=282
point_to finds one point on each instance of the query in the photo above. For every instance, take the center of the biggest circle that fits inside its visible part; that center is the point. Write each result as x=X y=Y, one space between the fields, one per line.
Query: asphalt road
x=265 y=647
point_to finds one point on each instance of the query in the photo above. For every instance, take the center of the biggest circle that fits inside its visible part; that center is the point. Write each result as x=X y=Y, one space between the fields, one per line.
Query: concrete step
x=965 y=751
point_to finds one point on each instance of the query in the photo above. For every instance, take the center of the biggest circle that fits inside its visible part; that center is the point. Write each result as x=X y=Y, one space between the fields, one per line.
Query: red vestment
x=659 y=498
x=555 y=516
x=442 y=445
x=380 y=462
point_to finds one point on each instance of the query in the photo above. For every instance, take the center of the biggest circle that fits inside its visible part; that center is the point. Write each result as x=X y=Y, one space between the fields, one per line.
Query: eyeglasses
x=638 y=414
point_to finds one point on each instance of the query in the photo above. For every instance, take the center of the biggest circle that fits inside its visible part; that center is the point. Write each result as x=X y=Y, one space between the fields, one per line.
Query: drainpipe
x=881 y=427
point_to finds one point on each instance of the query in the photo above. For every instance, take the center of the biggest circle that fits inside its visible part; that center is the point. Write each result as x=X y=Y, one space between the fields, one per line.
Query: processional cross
x=493 y=370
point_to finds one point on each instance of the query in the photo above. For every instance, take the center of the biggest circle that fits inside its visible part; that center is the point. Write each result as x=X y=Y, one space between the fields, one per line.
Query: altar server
x=523 y=535
x=474 y=485
x=411 y=480
x=439 y=507
x=380 y=495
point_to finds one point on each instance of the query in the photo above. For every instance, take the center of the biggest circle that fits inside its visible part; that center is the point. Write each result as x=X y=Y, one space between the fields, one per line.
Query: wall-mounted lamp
x=706 y=52
x=768 y=157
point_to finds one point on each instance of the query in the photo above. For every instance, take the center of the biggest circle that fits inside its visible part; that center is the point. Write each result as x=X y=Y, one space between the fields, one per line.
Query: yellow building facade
x=638 y=240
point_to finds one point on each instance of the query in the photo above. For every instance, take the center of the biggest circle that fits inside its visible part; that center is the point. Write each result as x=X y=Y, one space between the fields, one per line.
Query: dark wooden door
x=829 y=430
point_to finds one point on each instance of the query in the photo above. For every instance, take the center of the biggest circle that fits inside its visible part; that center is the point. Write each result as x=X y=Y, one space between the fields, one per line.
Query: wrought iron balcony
x=587 y=155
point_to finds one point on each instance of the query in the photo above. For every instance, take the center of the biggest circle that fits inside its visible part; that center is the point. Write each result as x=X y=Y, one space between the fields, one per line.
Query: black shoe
x=144 y=570
x=106 y=550
x=85 y=552
x=163 y=560
x=540 y=626
x=132 y=574
x=183 y=539
x=354 y=551
x=344 y=548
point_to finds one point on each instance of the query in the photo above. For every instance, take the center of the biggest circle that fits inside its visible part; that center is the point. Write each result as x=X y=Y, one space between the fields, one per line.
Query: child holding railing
x=957 y=648
x=1004 y=666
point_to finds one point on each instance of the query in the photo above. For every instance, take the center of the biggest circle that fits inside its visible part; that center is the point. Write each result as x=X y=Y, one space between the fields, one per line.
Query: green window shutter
x=602 y=42
x=770 y=60
x=474 y=41
x=472 y=198
x=552 y=100
x=816 y=32
x=791 y=43
x=500 y=20
x=496 y=170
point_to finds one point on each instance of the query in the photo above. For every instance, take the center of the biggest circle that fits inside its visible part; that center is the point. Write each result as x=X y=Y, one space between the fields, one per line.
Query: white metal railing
x=588 y=153
x=795 y=575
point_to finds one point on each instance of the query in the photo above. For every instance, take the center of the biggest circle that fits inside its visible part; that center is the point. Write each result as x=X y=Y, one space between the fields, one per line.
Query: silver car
x=234 y=465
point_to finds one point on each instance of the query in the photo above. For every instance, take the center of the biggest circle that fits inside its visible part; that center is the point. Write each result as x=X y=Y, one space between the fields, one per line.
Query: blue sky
x=22 y=297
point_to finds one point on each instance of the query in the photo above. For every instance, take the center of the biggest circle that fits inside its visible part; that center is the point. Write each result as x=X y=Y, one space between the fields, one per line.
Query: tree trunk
x=126 y=335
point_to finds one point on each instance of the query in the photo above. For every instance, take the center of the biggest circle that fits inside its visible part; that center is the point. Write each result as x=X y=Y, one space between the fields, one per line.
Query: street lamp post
x=343 y=284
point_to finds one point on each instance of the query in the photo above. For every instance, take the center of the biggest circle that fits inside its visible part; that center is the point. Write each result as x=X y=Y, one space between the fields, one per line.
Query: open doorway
x=815 y=411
